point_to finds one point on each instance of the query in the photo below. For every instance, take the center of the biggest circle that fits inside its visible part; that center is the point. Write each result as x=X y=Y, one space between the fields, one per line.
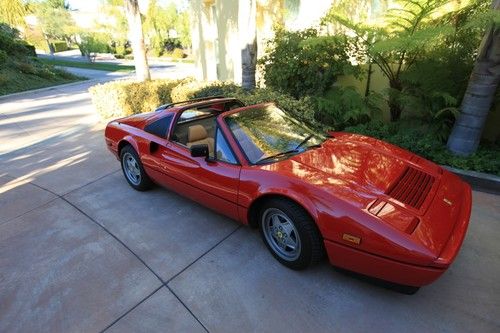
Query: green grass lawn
x=109 y=67
x=12 y=80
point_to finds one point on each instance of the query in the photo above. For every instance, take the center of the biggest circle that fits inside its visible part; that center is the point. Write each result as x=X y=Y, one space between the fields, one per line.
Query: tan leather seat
x=197 y=135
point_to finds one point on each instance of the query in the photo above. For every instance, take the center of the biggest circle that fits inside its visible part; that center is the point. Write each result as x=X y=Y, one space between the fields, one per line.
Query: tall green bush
x=299 y=66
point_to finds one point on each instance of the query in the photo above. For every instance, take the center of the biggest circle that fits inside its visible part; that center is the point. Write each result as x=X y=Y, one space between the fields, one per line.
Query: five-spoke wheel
x=133 y=170
x=281 y=234
x=290 y=234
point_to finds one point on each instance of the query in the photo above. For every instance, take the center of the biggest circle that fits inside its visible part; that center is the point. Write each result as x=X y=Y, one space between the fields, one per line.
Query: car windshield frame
x=272 y=147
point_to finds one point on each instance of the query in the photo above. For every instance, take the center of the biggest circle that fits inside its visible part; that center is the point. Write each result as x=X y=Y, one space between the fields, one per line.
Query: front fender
x=268 y=184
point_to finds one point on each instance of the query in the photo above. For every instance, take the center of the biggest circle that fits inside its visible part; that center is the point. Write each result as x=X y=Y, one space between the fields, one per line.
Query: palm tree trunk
x=248 y=29
x=483 y=83
x=137 y=39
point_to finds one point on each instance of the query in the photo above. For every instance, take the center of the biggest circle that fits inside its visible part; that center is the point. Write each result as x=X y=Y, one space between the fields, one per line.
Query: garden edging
x=480 y=181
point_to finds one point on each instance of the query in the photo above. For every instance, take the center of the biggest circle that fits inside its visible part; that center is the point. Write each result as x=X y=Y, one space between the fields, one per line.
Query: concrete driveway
x=81 y=251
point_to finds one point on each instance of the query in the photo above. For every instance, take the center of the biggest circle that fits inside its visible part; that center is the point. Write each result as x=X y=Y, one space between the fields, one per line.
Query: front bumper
x=383 y=268
x=396 y=271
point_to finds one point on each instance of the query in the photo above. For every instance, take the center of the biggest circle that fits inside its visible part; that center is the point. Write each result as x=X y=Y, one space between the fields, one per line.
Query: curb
x=480 y=181
x=32 y=91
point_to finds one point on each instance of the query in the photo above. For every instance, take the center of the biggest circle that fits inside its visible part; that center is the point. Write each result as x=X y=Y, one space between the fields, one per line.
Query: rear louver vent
x=412 y=188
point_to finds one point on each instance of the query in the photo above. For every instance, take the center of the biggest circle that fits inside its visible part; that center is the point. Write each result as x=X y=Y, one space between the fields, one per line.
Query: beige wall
x=215 y=34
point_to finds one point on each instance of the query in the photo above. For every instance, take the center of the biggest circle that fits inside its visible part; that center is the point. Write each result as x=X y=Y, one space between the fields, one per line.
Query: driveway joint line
x=106 y=230
x=132 y=308
x=203 y=254
x=115 y=237
x=29 y=211
x=57 y=196
x=187 y=308
x=91 y=182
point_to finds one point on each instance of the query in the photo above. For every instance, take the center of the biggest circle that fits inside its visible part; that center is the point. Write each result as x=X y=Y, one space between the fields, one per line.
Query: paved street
x=81 y=251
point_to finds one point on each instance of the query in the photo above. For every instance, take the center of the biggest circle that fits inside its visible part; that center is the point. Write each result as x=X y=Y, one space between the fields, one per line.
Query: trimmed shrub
x=194 y=89
x=124 y=98
x=301 y=64
x=178 y=53
x=60 y=46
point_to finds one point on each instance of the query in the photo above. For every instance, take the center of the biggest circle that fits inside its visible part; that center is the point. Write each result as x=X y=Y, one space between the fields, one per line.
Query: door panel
x=213 y=184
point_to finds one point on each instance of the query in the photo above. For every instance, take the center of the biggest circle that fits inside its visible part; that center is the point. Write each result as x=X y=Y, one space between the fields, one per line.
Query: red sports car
x=371 y=207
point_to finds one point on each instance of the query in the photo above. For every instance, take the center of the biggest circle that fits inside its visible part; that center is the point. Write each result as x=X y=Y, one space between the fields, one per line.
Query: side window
x=160 y=126
x=222 y=150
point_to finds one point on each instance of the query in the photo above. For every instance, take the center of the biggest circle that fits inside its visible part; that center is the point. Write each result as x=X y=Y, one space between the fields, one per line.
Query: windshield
x=268 y=133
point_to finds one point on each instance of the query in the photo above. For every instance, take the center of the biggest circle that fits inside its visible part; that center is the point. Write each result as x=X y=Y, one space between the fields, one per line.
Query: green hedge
x=60 y=46
x=123 y=98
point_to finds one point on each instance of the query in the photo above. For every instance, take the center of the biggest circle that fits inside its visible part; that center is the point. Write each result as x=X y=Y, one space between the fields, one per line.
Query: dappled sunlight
x=60 y=162
x=31 y=176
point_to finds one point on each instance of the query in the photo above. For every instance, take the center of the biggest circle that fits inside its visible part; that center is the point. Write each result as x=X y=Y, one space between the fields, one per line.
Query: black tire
x=310 y=240
x=140 y=183
x=407 y=290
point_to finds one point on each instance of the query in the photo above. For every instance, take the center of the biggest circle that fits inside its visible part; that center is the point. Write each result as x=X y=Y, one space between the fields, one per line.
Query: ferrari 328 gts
x=369 y=206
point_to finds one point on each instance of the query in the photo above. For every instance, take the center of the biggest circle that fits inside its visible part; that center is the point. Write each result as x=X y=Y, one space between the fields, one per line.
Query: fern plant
x=395 y=43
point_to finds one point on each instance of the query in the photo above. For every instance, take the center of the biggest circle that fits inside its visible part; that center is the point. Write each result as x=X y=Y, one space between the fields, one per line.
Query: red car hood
x=353 y=166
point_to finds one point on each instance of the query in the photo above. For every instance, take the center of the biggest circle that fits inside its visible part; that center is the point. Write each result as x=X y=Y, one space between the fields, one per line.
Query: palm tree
x=12 y=12
x=466 y=134
x=248 y=30
x=137 y=39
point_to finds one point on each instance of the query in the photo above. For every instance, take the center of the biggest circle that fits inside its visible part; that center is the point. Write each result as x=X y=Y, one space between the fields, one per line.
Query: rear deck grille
x=412 y=187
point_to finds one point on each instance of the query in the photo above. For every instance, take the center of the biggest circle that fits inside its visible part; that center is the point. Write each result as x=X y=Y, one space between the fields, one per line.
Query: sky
x=90 y=5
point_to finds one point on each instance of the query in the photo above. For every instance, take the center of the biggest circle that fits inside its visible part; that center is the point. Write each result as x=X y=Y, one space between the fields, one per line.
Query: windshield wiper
x=291 y=151
x=277 y=155
x=309 y=137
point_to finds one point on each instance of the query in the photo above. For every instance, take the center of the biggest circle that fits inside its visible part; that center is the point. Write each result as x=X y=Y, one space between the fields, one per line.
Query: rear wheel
x=133 y=170
x=290 y=234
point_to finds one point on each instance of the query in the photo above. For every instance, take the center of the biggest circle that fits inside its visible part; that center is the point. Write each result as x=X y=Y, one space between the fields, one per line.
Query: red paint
x=344 y=185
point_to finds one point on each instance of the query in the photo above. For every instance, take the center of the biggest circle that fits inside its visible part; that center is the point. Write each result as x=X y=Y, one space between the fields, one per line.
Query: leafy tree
x=395 y=45
x=118 y=26
x=13 y=12
x=158 y=23
x=480 y=92
x=91 y=43
x=55 y=21
x=137 y=39
x=183 y=28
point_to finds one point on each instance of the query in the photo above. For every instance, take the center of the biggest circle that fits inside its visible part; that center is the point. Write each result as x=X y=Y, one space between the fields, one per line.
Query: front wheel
x=133 y=170
x=290 y=234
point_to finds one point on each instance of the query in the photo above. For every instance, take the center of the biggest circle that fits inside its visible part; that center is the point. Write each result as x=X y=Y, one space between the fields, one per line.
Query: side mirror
x=199 y=151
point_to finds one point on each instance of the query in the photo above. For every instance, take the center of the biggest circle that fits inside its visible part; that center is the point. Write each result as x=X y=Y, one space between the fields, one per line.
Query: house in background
x=218 y=29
